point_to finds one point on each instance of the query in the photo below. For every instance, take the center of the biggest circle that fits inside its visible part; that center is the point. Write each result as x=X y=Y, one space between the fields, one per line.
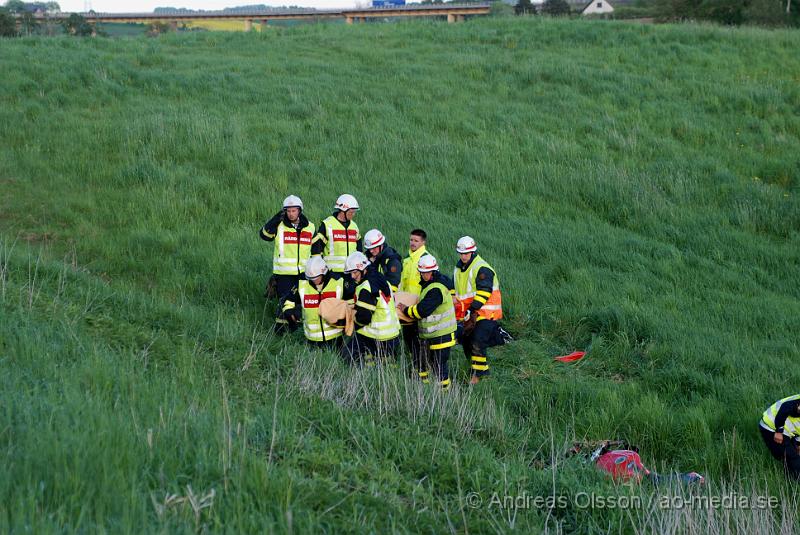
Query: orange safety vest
x=466 y=290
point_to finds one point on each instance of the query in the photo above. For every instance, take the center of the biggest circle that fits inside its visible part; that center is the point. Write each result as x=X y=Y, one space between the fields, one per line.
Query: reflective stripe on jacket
x=384 y=324
x=791 y=427
x=317 y=329
x=442 y=320
x=341 y=242
x=292 y=249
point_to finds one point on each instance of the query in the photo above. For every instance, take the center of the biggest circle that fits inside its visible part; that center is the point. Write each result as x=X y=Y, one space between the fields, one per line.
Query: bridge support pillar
x=173 y=25
x=451 y=18
x=248 y=25
x=348 y=20
x=459 y=18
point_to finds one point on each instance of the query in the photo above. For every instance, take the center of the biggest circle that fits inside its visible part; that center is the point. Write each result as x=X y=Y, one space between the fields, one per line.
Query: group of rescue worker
x=332 y=261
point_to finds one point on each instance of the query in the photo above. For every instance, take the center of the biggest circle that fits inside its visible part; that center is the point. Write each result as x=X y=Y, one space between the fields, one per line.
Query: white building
x=597 y=7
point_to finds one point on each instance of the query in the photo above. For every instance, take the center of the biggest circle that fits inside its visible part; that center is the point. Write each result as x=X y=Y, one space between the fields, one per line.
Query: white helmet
x=292 y=201
x=374 y=238
x=466 y=245
x=346 y=202
x=357 y=261
x=427 y=263
x=315 y=267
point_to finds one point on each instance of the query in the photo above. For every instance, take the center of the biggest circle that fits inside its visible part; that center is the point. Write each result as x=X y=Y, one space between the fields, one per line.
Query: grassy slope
x=635 y=186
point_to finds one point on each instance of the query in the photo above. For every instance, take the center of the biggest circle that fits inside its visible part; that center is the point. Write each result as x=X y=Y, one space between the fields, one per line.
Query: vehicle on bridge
x=388 y=3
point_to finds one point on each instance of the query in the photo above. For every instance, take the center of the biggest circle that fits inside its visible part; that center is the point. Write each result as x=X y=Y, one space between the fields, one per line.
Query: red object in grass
x=572 y=357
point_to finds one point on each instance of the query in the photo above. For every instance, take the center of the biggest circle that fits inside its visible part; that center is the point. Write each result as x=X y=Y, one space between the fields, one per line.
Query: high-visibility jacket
x=384 y=324
x=341 y=242
x=466 y=290
x=409 y=280
x=442 y=321
x=791 y=427
x=315 y=327
x=292 y=249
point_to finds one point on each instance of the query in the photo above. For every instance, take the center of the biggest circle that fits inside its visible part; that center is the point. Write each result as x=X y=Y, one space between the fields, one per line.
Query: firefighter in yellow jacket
x=478 y=305
x=338 y=234
x=304 y=304
x=437 y=321
x=292 y=233
x=410 y=283
x=377 y=326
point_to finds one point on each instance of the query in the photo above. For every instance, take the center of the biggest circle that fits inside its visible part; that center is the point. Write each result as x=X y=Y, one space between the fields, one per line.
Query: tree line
x=772 y=13
x=19 y=19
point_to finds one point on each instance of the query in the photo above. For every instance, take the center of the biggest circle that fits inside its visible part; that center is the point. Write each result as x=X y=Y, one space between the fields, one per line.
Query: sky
x=141 y=6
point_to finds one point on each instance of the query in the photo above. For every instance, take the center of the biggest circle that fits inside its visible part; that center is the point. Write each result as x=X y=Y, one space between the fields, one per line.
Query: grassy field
x=636 y=188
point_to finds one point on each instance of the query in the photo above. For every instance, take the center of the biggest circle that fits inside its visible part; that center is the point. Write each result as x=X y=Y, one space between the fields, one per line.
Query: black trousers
x=411 y=340
x=286 y=285
x=476 y=343
x=363 y=350
x=334 y=346
x=786 y=453
x=434 y=361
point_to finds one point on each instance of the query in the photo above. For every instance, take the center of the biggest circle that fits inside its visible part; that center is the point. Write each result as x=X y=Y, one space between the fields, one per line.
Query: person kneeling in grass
x=780 y=429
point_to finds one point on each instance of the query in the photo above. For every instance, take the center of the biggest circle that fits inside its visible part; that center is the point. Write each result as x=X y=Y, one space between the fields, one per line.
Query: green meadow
x=635 y=186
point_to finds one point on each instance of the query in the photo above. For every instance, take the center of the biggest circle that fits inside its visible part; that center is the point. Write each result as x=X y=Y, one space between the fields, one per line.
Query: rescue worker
x=319 y=284
x=410 y=283
x=383 y=257
x=338 y=235
x=780 y=429
x=376 y=323
x=292 y=233
x=437 y=321
x=478 y=305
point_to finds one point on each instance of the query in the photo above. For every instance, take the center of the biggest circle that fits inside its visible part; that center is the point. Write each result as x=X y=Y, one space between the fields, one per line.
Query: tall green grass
x=635 y=187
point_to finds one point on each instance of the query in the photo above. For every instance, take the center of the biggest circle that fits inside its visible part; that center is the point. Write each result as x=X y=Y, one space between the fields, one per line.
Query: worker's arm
x=365 y=307
x=349 y=288
x=483 y=288
x=393 y=271
x=425 y=307
x=360 y=245
x=320 y=240
x=291 y=309
x=789 y=408
x=270 y=228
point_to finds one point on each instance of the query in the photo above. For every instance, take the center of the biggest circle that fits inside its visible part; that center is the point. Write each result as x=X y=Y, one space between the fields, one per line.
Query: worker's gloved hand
x=469 y=323
x=778 y=437
x=291 y=318
x=402 y=308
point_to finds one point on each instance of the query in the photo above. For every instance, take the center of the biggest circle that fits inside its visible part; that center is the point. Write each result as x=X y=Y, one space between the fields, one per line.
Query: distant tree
x=8 y=26
x=525 y=7
x=28 y=25
x=52 y=7
x=500 y=9
x=77 y=25
x=15 y=6
x=731 y=12
x=766 y=13
x=555 y=8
